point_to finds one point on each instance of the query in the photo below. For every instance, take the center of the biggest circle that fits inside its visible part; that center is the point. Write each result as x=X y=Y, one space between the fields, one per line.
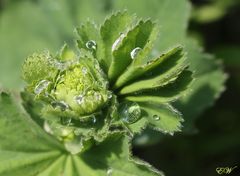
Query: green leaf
x=55 y=168
x=88 y=32
x=14 y=121
x=111 y=30
x=25 y=163
x=32 y=107
x=172 y=25
x=169 y=93
x=24 y=147
x=163 y=71
x=136 y=71
x=162 y=117
x=207 y=87
x=139 y=126
x=113 y=158
x=17 y=41
x=137 y=37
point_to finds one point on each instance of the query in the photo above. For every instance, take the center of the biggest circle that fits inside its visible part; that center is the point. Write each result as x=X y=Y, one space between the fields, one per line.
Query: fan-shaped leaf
x=162 y=117
x=163 y=71
x=136 y=39
x=111 y=30
x=168 y=93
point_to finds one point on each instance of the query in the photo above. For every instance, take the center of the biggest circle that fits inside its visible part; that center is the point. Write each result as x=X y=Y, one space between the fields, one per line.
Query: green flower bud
x=70 y=87
x=77 y=88
x=37 y=67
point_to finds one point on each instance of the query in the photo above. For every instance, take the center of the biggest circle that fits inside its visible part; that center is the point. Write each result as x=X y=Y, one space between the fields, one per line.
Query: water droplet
x=109 y=172
x=41 y=86
x=61 y=104
x=66 y=121
x=130 y=112
x=135 y=52
x=75 y=146
x=117 y=42
x=109 y=95
x=64 y=132
x=84 y=70
x=79 y=99
x=47 y=127
x=156 y=117
x=91 y=44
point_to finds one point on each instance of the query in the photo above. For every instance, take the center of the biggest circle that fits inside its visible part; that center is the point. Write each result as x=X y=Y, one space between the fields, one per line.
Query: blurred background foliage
x=210 y=141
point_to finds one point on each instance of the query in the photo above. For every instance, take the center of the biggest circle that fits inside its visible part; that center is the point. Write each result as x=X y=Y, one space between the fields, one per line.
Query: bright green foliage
x=203 y=91
x=209 y=76
x=42 y=155
x=112 y=28
x=79 y=89
x=48 y=24
x=38 y=67
x=130 y=84
x=95 y=97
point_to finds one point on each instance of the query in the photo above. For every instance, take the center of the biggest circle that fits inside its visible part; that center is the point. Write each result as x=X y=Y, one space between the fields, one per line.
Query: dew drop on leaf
x=135 y=52
x=61 y=104
x=47 y=127
x=41 y=86
x=91 y=44
x=94 y=120
x=156 y=117
x=117 y=42
x=79 y=99
x=75 y=146
x=130 y=112
x=109 y=95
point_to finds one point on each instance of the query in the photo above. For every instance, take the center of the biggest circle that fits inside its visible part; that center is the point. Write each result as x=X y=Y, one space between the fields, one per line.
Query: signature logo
x=225 y=170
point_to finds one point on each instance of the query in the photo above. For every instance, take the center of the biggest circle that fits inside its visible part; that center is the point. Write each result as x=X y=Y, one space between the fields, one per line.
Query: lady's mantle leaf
x=113 y=159
x=111 y=30
x=135 y=76
x=159 y=72
x=169 y=93
x=132 y=43
x=25 y=149
x=162 y=117
x=208 y=86
x=13 y=120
